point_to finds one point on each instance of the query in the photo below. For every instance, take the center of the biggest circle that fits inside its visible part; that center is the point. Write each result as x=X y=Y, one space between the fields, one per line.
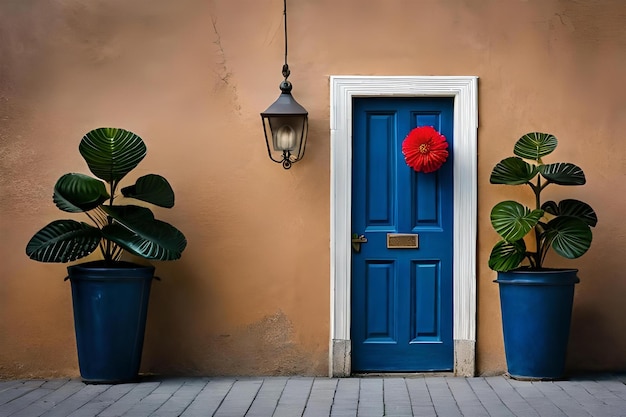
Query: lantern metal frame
x=285 y=122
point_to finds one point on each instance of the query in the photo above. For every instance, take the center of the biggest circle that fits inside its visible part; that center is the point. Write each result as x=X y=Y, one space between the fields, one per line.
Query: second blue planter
x=536 y=316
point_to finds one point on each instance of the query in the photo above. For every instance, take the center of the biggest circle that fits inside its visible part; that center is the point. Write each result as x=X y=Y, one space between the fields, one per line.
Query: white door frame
x=464 y=89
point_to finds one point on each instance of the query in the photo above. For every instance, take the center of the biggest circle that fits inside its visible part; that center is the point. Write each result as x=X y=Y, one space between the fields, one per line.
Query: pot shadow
x=593 y=343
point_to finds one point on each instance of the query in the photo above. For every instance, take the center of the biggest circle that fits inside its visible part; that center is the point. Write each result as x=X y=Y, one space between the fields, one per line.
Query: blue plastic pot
x=536 y=316
x=110 y=309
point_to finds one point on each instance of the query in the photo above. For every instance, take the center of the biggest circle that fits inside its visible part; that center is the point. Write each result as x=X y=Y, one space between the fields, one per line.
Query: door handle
x=356 y=242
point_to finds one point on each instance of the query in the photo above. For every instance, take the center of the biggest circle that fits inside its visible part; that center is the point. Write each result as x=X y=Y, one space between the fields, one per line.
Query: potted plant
x=536 y=301
x=109 y=296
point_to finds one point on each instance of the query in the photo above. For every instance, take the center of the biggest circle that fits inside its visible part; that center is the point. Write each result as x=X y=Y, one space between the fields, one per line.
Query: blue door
x=402 y=271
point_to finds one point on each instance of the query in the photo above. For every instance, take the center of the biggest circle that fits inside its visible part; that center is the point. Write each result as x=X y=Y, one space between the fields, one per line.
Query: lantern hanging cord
x=286 y=71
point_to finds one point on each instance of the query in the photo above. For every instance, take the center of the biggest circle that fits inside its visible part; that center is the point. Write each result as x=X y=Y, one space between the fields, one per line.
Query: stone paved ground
x=598 y=396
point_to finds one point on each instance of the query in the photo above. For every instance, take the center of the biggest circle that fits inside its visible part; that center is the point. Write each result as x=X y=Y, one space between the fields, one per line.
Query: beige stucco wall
x=251 y=293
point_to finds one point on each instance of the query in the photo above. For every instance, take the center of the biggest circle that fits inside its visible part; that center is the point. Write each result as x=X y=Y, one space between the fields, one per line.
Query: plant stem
x=117 y=254
x=109 y=253
x=538 y=249
x=92 y=219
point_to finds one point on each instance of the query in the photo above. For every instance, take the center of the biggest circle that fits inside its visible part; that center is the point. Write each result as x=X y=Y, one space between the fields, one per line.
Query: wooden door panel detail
x=426 y=199
x=380 y=285
x=425 y=301
x=379 y=168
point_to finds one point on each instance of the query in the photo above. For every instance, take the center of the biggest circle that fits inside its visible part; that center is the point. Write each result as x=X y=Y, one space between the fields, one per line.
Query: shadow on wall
x=593 y=342
x=185 y=333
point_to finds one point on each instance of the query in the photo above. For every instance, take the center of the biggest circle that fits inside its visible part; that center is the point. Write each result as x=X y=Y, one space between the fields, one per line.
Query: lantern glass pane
x=286 y=132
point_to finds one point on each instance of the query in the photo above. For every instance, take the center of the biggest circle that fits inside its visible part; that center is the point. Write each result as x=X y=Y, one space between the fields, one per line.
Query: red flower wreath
x=425 y=149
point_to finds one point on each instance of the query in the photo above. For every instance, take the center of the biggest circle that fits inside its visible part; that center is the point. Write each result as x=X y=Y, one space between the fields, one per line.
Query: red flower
x=425 y=149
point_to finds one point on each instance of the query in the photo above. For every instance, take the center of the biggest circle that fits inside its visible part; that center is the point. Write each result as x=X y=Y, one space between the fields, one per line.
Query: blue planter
x=536 y=316
x=110 y=309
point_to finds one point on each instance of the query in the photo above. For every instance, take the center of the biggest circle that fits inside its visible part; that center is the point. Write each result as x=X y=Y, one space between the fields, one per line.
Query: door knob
x=356 y=242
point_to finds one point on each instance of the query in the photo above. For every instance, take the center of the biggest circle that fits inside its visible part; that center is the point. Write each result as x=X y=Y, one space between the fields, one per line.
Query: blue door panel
x=379 y=290
x=425 y=202
x=425 y=302
x=380 y=166
x=401 y=298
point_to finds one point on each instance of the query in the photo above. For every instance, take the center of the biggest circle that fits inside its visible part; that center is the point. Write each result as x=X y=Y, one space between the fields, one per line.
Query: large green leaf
x=135 y=229
x=130 y=213
x=112 y=153
x=563 y=173
x=153 y=189
x=513 y=171
x=574 y=208
x=63 y=241
x=535 y=145
x=76 y=193
x=513 y=221
x=570 y=237
x=507 y=255
x=148 y=239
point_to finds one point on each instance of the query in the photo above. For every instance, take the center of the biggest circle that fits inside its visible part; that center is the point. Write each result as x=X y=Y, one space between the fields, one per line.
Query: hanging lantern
x=285 y=122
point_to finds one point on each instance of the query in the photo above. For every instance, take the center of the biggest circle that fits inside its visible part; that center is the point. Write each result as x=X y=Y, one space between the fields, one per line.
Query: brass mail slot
x=402 y=241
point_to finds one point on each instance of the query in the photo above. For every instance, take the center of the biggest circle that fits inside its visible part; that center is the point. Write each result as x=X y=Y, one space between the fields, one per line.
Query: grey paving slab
x=8 y=384
x=129 y=399
x=293 y=400
x=148 y=405
x=60 y=391
x=371 y=400
x=24 y=400
x=601 y=393
x=421 y=401
x=267 y=398
x=466 y=399
x=76 y=400
x=321 y=397
x=424 y=396
x=239 y=398
x=616 y=387
x=181 y=399
x=511 y=398
x=536 y=398
x=56 y=383
x=442 y=397
x=209 y=398
x=104 y=400
x=561 y=399
x=606 y=400
x=591 y=404
x=396 y=397
x=488 y=398
x=14 y=391
x=346 y=398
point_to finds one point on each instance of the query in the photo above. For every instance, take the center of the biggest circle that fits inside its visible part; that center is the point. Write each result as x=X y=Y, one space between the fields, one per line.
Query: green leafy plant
x=564 y=226
x=110 y=154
